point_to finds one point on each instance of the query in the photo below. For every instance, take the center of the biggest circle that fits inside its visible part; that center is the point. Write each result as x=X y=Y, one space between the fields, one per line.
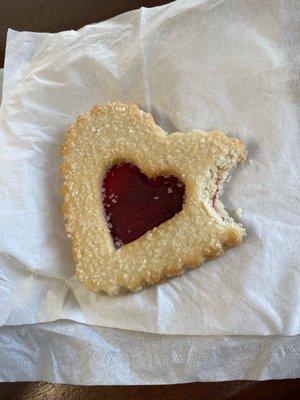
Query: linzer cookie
x=142 y=205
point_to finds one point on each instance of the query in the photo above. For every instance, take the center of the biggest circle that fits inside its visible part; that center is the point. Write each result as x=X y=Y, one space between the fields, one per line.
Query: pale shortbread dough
x=118 y=132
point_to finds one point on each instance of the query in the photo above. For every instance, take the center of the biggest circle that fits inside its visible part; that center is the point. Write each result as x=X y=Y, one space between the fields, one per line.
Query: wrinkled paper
x=34 y=352
x=69 y=352
x=192 y=64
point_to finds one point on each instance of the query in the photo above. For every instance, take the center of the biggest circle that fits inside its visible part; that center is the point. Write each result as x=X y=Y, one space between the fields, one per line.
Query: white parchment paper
x=192 y=64
x=94 y=355
x=69 y=352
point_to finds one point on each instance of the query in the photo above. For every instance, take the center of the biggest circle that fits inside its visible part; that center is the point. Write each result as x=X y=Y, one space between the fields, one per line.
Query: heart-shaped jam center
x=135 y=204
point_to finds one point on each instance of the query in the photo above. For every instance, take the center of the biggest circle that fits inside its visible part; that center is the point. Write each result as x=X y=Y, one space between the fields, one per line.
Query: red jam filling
x=215 y=195
x=135 y=204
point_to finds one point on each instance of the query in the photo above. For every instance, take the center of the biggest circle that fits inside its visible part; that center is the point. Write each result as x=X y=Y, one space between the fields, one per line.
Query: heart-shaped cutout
x=135 y=204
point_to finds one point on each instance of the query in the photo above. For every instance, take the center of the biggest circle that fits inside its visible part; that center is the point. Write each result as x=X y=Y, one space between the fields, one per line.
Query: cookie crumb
x=239 y=212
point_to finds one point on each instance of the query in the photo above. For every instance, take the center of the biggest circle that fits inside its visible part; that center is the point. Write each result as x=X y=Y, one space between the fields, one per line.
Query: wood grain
x=246 y=390
x=58 y=15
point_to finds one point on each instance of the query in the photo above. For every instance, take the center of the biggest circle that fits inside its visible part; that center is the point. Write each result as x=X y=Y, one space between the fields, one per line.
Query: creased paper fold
x=192 y=64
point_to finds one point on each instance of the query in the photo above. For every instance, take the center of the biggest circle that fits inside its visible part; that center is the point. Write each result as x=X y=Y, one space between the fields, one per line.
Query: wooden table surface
x=58 y=15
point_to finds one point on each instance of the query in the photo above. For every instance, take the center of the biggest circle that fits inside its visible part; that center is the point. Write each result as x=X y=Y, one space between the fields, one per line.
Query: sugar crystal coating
x=121 y=132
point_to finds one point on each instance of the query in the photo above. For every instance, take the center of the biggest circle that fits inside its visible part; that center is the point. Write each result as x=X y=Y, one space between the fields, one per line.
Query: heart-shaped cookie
x=117 y=134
